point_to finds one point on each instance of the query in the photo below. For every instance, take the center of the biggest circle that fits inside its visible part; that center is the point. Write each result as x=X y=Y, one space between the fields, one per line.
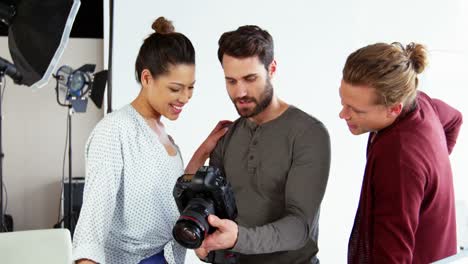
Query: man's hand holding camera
x=224 y=237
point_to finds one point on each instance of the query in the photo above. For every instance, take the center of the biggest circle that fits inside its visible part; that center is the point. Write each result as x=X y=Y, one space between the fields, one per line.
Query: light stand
x=7 y=13
x=2 y=214
x=69 y=216
x=71 y=223
x=73 y=82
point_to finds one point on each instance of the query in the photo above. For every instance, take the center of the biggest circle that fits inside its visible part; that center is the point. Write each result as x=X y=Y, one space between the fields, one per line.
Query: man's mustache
x=245 y=99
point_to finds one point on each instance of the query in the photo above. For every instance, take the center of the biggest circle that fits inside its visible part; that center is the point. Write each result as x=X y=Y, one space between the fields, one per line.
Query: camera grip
x=221 y=257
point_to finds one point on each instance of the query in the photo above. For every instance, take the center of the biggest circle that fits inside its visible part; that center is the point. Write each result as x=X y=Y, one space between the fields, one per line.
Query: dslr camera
x=197 y=196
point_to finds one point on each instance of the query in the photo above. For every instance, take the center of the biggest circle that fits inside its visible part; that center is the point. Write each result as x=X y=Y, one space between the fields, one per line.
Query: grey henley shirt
x=279 y=172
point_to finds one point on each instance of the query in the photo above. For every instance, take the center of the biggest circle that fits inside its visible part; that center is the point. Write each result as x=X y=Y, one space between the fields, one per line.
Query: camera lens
x=188 y=233
x=192 y=225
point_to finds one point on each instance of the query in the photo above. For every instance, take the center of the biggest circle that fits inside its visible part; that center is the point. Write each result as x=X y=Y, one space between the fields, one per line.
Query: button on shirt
x=128 y=209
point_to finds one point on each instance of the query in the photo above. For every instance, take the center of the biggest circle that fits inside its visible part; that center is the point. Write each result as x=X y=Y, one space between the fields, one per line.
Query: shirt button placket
x=252 y=154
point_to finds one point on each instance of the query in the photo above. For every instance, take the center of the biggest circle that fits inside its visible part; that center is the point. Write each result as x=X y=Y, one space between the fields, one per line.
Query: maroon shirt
x=406 y=211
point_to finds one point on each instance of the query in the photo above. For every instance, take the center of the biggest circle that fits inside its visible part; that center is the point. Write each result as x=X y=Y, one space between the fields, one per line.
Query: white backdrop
x=312 y=41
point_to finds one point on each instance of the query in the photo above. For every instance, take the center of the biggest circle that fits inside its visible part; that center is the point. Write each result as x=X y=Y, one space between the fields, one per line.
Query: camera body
x=197 y=196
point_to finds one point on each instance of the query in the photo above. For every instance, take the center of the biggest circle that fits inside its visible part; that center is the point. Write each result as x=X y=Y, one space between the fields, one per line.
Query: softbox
x=37 y=36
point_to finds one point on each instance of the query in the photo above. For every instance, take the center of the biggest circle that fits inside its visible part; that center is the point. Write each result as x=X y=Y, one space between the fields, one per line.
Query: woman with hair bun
x=406 y=211
x=132 y=164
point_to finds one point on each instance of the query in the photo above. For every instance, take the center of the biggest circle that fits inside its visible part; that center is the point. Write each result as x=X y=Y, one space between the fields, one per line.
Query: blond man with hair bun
x=406 y=211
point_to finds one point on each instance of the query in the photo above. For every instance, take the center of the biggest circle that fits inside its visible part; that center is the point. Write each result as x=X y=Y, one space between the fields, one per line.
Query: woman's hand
x=205 y=149
x=210 y=142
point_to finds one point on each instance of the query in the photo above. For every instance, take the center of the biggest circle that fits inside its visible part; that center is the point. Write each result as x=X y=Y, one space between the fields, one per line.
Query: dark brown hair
x=391 y=69
x=163 y=48
x=247 y=41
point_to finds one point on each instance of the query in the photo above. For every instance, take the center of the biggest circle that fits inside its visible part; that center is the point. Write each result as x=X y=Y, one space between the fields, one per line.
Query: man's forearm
x=288 y=233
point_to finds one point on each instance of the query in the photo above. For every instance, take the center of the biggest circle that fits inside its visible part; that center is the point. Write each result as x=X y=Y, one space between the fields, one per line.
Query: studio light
x=75 y=85
x=38 y=31
x=6 y=68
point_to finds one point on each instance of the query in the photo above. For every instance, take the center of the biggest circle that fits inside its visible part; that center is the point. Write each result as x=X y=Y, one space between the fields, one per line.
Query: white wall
x=34 y=130
x=312 y=39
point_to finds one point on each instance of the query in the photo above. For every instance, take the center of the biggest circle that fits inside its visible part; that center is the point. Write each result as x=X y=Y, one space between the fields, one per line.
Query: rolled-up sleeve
x=104 y=165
